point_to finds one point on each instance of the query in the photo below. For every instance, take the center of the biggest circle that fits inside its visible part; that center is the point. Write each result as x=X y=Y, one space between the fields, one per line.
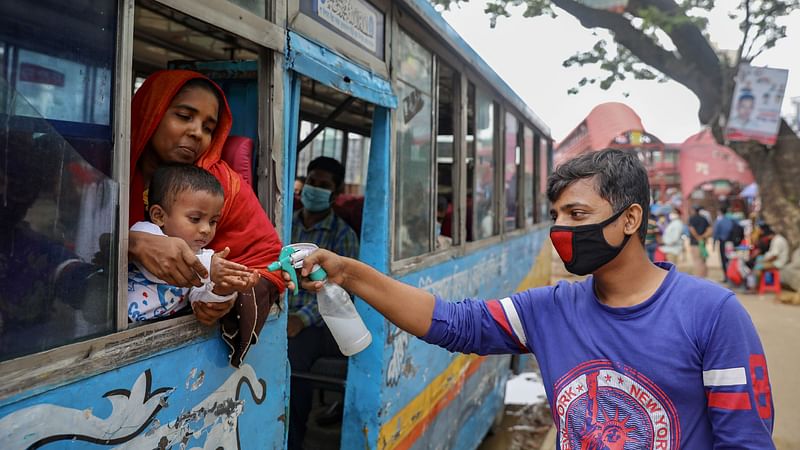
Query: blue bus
x=446 y=170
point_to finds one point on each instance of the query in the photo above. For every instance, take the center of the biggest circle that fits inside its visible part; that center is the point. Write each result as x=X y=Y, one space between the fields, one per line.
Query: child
x=184 y=202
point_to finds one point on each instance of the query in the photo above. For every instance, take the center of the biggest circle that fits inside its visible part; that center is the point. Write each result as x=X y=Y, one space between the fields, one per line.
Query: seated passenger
x=184 y=201
x=299 y=182
x=309 y=337
x=442 y=206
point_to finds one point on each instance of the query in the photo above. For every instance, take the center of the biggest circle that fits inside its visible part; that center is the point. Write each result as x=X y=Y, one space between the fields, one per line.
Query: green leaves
x=671 y=35
x=616 y=63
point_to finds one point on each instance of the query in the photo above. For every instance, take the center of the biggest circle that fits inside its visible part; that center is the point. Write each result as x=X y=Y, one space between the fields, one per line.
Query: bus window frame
x=31 y=374
x=404 y=17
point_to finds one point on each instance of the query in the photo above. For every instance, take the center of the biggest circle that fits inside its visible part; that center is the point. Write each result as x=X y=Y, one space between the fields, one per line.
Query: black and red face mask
x=583 y=248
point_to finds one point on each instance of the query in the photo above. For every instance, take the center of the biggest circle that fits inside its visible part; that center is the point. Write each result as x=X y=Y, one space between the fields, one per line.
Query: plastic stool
x=775 y=286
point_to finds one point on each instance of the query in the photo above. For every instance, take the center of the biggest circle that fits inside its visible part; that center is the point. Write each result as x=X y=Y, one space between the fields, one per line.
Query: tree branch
x=746 y=30
x=697 y=56
x=691 y=69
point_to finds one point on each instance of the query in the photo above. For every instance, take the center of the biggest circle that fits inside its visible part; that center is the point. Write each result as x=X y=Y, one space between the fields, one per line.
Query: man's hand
x=294 y=326
x=333 y=264
x=229 y=277
x=209 y=313
x=168 y=258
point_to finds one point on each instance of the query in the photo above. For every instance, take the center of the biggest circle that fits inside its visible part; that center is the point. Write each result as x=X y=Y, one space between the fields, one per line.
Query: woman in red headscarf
x=180 y=116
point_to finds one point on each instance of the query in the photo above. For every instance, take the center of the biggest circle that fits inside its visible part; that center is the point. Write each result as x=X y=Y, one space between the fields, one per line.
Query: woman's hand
x=209 y=313
x=168 y=258
x=229 y=277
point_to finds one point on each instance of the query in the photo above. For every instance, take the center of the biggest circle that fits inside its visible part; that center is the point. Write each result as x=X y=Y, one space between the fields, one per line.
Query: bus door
x=336 y=109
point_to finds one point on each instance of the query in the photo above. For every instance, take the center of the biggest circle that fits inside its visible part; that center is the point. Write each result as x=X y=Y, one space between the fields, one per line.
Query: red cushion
x=350 y=208
x=238 y=153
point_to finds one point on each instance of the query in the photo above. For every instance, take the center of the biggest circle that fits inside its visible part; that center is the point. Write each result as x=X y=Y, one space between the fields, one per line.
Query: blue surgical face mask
x=438 y=229
x=315 y=199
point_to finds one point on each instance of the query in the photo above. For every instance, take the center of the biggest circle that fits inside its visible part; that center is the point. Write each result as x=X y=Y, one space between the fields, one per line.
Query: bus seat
x=350 y=208
x=238 y=153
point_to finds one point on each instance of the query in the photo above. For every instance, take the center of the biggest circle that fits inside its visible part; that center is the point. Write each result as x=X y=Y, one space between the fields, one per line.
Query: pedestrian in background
x=699 y=231
x=722 y=235
x=672 y=240
x=653 y=237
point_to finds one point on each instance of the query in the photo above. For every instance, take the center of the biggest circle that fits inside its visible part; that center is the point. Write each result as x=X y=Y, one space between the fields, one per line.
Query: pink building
x=696 y=166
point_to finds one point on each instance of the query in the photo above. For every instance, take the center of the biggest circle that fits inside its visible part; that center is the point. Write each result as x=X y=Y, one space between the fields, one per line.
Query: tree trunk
x=777 y=172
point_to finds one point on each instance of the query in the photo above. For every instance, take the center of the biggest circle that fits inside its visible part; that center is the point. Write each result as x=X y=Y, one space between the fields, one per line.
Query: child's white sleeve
x=205 y=293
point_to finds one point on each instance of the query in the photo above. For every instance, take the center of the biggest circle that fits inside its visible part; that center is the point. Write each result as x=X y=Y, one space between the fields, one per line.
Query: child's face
x=192 y=217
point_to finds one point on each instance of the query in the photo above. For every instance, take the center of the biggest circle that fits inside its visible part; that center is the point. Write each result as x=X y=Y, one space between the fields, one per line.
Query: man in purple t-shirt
x=638 y=355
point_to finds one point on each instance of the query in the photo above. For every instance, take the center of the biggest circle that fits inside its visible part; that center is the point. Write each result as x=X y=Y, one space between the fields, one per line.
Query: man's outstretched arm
x=408 y=307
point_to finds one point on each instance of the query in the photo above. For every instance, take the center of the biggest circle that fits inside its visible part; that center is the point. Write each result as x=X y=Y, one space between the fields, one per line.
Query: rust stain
x=409 y=369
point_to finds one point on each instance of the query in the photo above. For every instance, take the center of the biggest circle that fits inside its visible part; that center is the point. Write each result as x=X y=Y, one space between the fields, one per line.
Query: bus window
x=413 y=203
x=328 y=143
x=470 y=161
x=529 y=199
x=445 y=175
x=484 y=195
x=511 y=172
x=545 y=162
x=57 y=204
x=258 y=7
x=356 y=164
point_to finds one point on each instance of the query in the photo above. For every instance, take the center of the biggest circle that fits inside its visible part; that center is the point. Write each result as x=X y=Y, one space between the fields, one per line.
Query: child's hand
x=229 y=277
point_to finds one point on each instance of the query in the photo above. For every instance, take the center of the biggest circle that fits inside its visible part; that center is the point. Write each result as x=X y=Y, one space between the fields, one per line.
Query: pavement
x=778 y=326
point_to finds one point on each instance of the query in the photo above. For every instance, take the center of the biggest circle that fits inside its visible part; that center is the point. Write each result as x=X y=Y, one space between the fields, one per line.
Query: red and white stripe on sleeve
x=505 y=314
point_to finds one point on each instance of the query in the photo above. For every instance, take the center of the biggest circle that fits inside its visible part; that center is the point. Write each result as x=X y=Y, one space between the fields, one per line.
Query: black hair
x=723 y=210
x=330 y=165
x=300 y=178
x=620 y=178
x=170 y=180
x=207 y=85
x=442 y=203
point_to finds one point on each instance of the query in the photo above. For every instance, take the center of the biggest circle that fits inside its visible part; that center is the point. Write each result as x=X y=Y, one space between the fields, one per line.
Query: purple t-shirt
x=683 y=370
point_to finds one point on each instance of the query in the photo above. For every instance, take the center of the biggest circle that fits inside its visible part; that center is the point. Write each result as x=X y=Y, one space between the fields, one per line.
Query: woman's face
x=187 y=127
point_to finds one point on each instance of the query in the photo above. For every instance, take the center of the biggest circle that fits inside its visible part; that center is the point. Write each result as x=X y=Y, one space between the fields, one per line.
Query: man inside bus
x=638 y=351
x=309 y=338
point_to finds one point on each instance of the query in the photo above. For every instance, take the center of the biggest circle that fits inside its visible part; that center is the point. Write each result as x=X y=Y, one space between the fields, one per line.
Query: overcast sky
x=528 y=54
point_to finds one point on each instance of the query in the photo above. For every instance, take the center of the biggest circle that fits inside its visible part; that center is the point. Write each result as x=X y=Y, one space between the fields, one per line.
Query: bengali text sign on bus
x=356 y=19
x=756 y=104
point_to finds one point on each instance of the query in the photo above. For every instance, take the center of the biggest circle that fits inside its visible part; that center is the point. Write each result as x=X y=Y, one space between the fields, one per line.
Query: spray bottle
x=333 y=302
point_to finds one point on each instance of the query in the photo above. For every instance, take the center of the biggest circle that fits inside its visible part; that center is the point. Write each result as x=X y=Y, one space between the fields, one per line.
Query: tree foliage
x=660 y=40
x=668 y=39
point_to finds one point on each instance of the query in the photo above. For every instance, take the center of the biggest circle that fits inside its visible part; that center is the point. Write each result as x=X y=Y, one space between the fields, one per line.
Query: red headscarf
x=243 y=226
